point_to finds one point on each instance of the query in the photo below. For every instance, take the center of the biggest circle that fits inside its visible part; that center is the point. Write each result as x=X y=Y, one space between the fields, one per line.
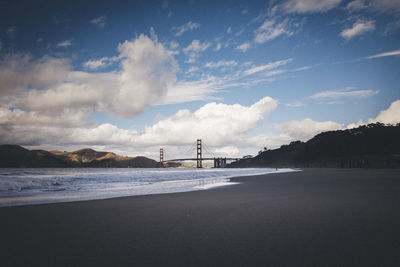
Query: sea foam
x=35 y=186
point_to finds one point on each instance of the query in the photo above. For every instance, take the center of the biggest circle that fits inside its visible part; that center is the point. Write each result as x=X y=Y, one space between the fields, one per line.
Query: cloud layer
x=49 y=85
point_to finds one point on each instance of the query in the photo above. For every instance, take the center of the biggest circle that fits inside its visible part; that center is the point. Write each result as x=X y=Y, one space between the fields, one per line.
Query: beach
x=314 y=217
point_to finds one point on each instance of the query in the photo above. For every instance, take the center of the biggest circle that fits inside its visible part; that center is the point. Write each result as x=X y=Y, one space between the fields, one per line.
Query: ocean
x=26 y=186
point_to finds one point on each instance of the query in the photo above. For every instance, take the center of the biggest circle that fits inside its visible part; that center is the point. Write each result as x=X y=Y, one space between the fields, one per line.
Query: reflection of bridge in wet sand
x=219 y=162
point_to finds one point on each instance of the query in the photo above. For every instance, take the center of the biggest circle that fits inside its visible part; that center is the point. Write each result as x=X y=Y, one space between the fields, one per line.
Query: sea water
x=49 y=185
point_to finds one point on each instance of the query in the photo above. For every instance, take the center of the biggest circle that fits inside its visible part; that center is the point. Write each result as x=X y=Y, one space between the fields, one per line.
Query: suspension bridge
x=219 y=162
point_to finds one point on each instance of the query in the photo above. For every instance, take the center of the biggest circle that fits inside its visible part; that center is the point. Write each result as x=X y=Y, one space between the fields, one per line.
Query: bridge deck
x=195 y=159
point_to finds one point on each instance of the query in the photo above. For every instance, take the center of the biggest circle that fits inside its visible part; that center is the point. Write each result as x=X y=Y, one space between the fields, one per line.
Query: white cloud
x=192 y=69
x=221 y=63
x=270 y=30
x=274 y=72
x=218 y=47
x=17 y=72
x=356 y=5
x=196 y=46
x=295 y=104
x=390 y=115
x=385 y=54
x=359 y=27
x=99 y=21
x=344 y=93
x=187 y=91
x=194 y=49
x=216 y=124
x=227 y=150
x=147 y=71
x=173 y=45
x=19 y=117
x=244 y=47
x=270 y=141
x=268 y=66
x=309 y=6
x=189 y=26
x=65 y=43
x=100 y=63
x=305 y=129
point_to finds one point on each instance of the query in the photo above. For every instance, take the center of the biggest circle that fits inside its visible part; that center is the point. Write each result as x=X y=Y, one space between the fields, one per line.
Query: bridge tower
x=199 y=157
x=161 y=158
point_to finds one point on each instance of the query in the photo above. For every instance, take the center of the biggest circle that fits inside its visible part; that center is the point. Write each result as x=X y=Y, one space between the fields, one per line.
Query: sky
x=135 y=76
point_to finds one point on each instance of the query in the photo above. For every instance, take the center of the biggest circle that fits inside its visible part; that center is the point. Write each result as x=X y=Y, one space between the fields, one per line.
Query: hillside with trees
x=368 y=146
x=14 y=156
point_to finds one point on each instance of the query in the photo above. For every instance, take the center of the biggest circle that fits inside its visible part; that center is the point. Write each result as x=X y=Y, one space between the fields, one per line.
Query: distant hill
x=369 y=146
x=14 y=156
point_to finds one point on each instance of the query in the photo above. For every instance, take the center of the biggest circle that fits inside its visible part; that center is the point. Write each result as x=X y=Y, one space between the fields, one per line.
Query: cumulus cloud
x=216 y=123
x=99 y=21
x=65 y=44
x=19 y=117
x=305 y=129
x=17 y=72
x=390 y=115
x=48 y=84
x=309 y=6
x=359 y=27
x=189 y=26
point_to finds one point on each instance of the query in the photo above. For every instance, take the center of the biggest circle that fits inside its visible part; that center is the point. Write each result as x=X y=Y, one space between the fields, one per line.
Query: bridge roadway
x=195 y=159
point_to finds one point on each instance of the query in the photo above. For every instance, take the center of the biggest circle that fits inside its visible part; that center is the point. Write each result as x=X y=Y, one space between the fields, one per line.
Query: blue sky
x=132 y=77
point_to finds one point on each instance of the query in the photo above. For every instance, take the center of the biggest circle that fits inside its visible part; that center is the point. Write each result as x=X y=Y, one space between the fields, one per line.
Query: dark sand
x=317 y=217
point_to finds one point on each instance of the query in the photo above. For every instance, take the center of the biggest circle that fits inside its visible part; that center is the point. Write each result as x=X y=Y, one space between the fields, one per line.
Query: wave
x=33 y=186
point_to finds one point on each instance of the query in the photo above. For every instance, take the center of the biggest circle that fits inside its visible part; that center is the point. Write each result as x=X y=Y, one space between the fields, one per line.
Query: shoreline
x=165 y=186
x=316 y=217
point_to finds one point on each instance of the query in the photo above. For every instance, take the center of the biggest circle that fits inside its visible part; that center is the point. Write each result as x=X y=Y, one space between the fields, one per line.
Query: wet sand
x=316 y=217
